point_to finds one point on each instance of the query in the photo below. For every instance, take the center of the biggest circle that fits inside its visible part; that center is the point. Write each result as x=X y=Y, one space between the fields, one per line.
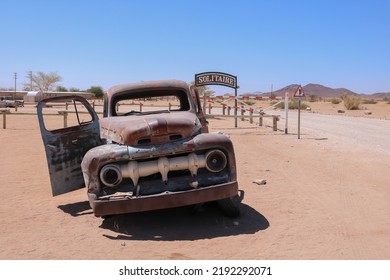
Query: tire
x=230 y=207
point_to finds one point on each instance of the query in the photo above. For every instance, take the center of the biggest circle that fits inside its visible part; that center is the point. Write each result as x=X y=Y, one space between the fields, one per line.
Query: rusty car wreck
x=139 y=160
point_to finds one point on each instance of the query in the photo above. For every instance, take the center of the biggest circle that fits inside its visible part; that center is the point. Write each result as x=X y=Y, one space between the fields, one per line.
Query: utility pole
x=30 y=77
x=15 y=77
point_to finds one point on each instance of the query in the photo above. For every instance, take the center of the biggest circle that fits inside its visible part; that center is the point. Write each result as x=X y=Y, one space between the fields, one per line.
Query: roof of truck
x=163 y=84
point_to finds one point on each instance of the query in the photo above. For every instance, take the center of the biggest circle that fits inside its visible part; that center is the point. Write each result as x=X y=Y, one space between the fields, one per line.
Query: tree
x=43 y=82
x=61 y=89
x=6 y=89
x=97 y=91
x=74 y=89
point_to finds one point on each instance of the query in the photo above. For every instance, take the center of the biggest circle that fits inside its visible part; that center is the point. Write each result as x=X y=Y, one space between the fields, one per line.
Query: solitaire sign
x=215 y=78
x=299 y=92
x=220 y=79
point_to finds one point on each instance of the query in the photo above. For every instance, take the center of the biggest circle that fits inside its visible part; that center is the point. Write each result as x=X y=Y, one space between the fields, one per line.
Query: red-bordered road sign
x=299 y=92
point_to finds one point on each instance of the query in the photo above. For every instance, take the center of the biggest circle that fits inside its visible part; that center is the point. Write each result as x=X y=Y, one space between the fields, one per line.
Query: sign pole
x=299 y=118
x=298 y=94
x=235 y=108
x=286 y=110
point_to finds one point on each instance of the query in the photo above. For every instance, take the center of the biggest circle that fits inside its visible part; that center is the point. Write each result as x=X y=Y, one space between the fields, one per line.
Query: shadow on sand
x=182 y=223
x=77 y=209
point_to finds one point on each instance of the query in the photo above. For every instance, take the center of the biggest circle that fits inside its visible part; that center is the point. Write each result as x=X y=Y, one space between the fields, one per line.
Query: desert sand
x=324 y=199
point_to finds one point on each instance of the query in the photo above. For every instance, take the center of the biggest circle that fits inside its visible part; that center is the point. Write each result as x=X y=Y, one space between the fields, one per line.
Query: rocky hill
x=321 y=91
x=380 y=95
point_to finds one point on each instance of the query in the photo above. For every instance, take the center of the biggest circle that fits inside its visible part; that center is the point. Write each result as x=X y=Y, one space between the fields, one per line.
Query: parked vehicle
x=151 y=150
x=8 y=101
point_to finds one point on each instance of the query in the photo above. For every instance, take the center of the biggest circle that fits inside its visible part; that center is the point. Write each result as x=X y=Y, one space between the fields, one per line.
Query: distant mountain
x=380 y=95
x=320 y=91
x=326 y=92
x=311 y=89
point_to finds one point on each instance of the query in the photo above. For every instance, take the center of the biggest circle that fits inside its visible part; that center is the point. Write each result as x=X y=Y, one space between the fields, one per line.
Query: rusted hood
x=149 y=129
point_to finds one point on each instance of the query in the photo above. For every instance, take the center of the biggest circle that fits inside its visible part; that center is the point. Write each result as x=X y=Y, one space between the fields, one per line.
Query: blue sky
x=263 y=42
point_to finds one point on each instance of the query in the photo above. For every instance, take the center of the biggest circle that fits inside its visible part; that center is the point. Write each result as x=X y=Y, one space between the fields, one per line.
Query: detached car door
x=199 y=111
x=69 y=128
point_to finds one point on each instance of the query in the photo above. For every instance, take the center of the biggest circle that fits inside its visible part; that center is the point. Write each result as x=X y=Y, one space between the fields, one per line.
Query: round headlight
x=111 y=175
x=215 y=160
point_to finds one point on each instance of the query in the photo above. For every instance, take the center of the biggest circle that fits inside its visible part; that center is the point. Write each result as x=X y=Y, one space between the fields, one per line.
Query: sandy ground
x=324 y=199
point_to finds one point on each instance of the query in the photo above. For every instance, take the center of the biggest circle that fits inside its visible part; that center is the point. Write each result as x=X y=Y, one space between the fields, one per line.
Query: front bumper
x=104 y=207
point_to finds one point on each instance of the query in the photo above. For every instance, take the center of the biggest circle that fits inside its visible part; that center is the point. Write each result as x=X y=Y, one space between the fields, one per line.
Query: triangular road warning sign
x=299 y=92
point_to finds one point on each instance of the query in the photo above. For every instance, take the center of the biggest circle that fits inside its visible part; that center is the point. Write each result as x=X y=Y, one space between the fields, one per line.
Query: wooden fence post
x=261 y=120
x=209 y=108
x=140 y=107
x=275 y=122
x=250 y=115
x=223 y=109
x=229 y=108
x=65 y=114
x=5 y=112
x=242 y=113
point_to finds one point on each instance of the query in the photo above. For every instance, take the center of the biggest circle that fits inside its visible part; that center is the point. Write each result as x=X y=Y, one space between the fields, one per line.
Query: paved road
x=373 y=134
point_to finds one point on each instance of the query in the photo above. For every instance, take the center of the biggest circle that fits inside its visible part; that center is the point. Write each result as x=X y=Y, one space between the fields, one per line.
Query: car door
x=69 y=128
x=199 y=111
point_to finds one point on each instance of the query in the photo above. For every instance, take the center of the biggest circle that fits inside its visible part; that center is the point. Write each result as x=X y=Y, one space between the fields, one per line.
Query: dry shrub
x=351 y=102
x=335 y=100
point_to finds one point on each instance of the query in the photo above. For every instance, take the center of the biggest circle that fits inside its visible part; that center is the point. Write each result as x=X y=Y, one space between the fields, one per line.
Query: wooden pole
x=65 y=114
x=65 y=119
x=275 y=122
x=4 y=119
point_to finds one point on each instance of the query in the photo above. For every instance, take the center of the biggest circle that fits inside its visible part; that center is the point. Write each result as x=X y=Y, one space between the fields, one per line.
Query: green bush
x=351 y=102
x=369 y=101
x=292 y=104
x=314 y=98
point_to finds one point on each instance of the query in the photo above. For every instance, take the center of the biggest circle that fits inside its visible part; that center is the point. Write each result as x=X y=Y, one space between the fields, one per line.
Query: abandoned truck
x=151 y=150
